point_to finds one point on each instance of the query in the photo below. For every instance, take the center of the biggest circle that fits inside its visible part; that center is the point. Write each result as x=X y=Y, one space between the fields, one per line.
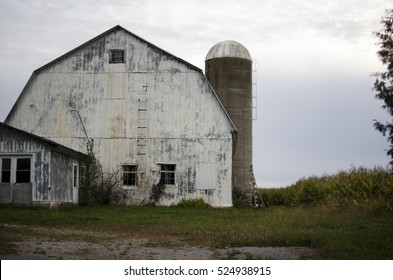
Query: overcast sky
x=315 y=104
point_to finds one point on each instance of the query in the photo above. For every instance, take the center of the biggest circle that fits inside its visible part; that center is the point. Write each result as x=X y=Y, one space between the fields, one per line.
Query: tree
x=99 y=187
x=384 y=80
x=90 y=188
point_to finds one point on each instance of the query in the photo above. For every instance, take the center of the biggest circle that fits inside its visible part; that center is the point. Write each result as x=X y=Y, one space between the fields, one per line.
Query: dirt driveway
x=78 y=247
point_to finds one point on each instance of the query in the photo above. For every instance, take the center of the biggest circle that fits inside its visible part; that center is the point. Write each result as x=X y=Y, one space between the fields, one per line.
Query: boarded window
x=167 y=174
x=6 y=170
x=116 y=56
x=207 y=176
x=23 y=168
x=130 y=175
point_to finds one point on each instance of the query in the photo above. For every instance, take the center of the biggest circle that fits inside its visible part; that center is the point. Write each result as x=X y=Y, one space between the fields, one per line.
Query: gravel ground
x=138 y=249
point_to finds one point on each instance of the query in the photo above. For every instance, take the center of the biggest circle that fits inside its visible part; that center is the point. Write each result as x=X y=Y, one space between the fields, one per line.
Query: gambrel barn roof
x=114 y=29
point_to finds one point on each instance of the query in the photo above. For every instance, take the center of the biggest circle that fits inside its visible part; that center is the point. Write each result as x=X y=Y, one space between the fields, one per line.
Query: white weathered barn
x=151 y=114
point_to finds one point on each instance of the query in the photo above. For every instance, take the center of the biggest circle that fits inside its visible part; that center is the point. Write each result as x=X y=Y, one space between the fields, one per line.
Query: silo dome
x=228 y=48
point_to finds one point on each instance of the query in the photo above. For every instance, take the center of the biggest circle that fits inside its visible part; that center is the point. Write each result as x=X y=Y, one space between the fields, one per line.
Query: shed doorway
x=75 y=182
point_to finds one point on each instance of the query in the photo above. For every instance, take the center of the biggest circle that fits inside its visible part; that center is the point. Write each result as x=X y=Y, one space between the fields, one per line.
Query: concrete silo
x=228 y=67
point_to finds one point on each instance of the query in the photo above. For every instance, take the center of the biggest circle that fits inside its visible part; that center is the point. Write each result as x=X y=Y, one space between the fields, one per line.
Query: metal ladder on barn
x=142 y=138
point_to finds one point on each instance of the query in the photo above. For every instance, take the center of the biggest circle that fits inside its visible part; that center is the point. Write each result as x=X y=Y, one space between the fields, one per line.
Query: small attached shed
x=36 y=170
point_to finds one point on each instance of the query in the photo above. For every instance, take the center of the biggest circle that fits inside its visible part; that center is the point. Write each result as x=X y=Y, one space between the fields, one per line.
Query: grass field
x=348 y=215
x=336 y=233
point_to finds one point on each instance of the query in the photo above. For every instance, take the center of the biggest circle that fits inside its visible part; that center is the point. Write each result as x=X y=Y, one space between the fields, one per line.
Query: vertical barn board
x=61 y=177
x=116 y=83
x=114 y=119
x=41 y=174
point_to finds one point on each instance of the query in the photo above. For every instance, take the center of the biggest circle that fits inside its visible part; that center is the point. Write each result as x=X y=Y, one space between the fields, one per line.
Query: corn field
x=370 y=187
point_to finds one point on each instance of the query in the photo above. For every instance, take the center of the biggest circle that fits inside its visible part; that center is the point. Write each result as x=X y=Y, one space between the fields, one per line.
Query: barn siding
x=61 y=186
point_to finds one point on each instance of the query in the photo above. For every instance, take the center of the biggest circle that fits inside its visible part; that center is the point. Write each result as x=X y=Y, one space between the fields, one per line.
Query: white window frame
x=1 y=169
x=14 y=158
x=168 y=172
x=134 y=172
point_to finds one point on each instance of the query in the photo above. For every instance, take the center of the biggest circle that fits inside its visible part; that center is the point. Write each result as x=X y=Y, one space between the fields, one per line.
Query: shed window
x=116 y=56
x=129 y=175
x=168 y=174
x=23 y=170
x=5 y=170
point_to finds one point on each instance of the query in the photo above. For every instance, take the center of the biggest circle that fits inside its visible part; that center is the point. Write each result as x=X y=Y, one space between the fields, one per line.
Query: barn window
x=168 y=174
x=6 y=170
x=129 y=175
x=23 y=170
x=116 y=56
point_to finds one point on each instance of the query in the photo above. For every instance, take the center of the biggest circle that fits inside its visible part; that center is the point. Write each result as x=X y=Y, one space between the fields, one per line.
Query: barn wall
x=151 y=109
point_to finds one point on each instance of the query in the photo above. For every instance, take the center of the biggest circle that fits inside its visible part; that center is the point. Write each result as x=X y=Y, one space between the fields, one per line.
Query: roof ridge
x=87 y=43
x=107 y=32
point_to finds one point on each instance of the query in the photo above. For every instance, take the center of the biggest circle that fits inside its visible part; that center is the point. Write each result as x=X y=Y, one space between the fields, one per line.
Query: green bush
x=198 y=203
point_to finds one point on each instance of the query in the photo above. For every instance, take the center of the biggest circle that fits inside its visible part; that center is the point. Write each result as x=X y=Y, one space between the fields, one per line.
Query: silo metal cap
x=228 y=48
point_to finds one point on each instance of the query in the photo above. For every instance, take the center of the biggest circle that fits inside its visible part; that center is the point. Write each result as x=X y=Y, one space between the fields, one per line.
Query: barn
x=152 y=116
x=37 y=171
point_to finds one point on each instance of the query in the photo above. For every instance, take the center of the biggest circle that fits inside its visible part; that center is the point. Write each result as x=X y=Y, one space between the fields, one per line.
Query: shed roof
x=58 y=147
